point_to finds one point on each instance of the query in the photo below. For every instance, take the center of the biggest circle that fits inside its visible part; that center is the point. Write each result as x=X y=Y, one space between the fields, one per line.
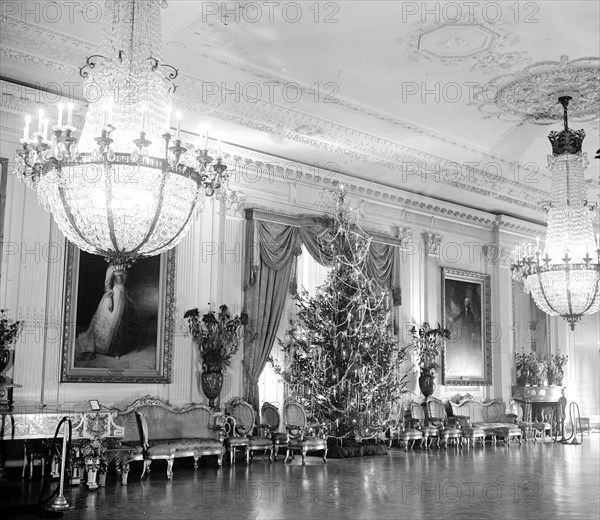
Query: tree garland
x=342 y=361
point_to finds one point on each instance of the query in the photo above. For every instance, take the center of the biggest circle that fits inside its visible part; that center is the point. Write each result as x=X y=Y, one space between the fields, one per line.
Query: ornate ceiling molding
x=482 y=44
x=73 y=50
x=318 y=133
x=530 y=95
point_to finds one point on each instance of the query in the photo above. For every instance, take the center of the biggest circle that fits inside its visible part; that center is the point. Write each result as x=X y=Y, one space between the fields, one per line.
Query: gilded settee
x=159 y=430
x=489 y=416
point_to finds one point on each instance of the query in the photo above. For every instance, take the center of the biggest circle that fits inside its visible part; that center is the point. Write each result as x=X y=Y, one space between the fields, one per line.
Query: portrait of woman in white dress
x=108 y=332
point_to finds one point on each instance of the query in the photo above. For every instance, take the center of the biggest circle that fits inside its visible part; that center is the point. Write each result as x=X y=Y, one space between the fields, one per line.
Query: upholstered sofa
x=156 y=430
x=489 y=416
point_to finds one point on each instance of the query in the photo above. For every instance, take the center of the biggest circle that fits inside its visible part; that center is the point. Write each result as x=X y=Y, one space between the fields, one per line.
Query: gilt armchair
x=301 y=437
x=404 y=430
x=271 y=420
x=447 y=427
x=245 y=422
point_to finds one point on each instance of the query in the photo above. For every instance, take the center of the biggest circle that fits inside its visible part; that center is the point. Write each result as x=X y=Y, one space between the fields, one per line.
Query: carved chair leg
x=145 y=468
x=220 y=459
x=196 y=459
x=25 y=462
x=248 y=455
x=304 y=450
x=325 y=456
x=124 y=473
x=287 y=455
x=170 y=468
x=232 y=456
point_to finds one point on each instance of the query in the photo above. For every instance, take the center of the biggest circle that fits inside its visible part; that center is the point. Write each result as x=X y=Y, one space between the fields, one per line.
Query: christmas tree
x=342 y=361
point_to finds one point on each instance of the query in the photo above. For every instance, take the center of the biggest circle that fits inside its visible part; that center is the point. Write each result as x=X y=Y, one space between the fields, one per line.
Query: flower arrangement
x=428 y=343
x=528 y=372
x=9 y=330
x=217 y=335
x=554 y=367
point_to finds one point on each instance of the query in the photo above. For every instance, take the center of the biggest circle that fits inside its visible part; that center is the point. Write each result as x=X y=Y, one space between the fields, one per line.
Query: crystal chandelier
x=129 y=187
x=564 y=278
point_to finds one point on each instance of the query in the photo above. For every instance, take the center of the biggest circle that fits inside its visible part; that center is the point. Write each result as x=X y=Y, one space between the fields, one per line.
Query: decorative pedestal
x=6 y=399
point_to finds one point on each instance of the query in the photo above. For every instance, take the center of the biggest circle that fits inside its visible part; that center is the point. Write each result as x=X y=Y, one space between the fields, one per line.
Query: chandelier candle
x=564 y=279
x=126 y=189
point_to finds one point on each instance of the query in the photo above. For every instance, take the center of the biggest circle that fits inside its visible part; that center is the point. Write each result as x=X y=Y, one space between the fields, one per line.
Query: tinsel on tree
x=341 y=358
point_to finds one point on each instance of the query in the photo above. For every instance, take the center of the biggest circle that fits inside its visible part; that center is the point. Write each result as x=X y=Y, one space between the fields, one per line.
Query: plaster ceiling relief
x=531 y=95
x=486 y=46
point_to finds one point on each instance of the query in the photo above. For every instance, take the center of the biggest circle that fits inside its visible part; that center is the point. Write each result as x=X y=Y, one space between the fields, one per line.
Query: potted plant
x=217 y=337
x=428 y=343
x=554 y=367
x=9 y=331
x=527 y=369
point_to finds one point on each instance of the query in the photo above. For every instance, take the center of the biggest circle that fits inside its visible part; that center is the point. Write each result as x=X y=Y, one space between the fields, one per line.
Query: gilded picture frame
x=466 y=312
x=117 y=326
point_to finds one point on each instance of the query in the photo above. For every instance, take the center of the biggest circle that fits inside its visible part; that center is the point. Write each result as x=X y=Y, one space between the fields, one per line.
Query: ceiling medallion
x=480 y=43
x=529 y=95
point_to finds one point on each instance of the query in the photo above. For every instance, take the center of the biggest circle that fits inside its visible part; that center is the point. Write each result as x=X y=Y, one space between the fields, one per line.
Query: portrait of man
x=463 y=311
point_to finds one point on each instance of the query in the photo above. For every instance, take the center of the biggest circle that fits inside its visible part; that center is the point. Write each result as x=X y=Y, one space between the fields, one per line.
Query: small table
x=90 y=430
x=544 y=410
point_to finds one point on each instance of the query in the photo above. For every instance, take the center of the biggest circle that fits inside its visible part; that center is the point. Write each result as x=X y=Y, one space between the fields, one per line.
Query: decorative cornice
x=318 y=133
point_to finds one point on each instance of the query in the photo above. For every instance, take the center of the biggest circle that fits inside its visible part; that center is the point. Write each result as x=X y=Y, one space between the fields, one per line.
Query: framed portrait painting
x=466 y=313
x=118 y=325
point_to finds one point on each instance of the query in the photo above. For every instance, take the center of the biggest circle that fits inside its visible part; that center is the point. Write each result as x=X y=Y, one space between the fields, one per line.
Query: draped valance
x=276 y=239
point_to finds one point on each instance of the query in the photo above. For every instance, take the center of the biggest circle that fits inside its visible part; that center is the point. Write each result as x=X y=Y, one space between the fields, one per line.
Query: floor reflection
x=532 y=481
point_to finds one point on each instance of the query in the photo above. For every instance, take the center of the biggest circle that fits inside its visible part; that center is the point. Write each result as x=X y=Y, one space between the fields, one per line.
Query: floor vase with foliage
x=426 y=383
x=428 y=343
x=217 y=337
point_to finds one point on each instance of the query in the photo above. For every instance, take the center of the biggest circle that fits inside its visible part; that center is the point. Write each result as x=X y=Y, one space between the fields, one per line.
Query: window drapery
x=272 y=244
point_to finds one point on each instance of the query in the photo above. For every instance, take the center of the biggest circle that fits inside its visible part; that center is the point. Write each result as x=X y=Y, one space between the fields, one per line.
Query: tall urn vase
x=211 y=380
x=426 y=383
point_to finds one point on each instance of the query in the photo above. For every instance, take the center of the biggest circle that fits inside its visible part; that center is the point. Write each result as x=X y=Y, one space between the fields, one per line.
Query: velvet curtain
x=272 y=249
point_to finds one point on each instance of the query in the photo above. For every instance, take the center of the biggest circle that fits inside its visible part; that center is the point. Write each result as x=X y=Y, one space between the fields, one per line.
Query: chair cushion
x=237 y=441
x=473 y=432
x=430 y=431
x=499 y=429
x=409 y=434
x=167 y=446
x=260 y=442
x=280 y=438
x=449 y=432
x=308 y=442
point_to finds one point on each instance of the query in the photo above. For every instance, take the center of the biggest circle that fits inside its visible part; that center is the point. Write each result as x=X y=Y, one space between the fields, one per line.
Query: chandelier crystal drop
x=129 y=187
x=564 y=278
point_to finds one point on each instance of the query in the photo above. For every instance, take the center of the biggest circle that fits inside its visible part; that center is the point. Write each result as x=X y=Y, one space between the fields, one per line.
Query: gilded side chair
x=239 y=426
x=402 y=430
x=447 y=427
x=271 y=420
x=259 y=439
x=419 y=421
x=301 y=437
